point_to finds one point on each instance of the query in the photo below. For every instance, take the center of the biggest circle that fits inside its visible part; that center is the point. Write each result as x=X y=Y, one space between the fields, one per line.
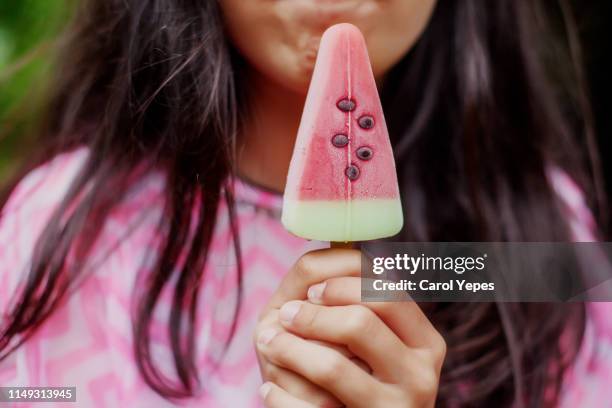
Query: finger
x=322 y=366
x=355 y=326
x=406 y=319
x=304 y=389
x=291 y=382
x=300 y=387
x=272 y=321
x=315 y=267
x=276 y=397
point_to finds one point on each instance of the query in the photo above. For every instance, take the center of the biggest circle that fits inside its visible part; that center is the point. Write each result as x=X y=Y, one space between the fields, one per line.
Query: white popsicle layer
x=343 y=221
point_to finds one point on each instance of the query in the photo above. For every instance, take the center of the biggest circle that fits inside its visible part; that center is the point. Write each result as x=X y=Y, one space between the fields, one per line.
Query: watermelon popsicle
x=342 y=182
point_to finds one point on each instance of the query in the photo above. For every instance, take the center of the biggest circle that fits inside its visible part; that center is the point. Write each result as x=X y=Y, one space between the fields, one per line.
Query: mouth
x=305 y=21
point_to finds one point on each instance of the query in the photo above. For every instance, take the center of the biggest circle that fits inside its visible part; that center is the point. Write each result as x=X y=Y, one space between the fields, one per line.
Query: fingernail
x=315 y=292
x=265 y=389
x=266 y=336
x=289 y=310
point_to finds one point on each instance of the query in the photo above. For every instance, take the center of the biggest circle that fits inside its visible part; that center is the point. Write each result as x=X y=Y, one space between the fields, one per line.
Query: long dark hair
x=475 y=123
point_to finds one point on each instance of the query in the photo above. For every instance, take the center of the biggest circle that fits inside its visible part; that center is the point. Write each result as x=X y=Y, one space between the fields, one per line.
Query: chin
x=297 y=84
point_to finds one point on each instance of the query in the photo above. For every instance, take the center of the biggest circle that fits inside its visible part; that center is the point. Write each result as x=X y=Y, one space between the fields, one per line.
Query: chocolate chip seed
x=365 y=153
x=340 y=140
x=346 y=105
x=352 y=172
x=366 y=122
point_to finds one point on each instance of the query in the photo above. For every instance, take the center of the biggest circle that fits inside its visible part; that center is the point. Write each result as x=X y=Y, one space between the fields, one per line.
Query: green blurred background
x=28 y=29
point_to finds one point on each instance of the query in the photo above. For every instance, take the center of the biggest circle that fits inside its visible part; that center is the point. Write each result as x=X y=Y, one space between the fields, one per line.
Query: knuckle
x=304 y=267
x=332 y=371
x=439 y=347
x=272 y=372
x=361 y=321
x=282 y=352
x=436 y=350
x=427 y=384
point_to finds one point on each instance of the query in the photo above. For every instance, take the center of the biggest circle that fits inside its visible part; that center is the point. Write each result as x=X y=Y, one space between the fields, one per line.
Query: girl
x=143 y=244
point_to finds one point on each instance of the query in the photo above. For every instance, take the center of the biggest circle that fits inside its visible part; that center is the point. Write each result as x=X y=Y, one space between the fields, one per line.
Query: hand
x=294 y=286
x=396 y=340
x=294 y=384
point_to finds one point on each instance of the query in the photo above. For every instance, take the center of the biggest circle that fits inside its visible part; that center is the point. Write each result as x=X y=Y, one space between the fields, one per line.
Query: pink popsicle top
x=87 y=343
x=342 y=75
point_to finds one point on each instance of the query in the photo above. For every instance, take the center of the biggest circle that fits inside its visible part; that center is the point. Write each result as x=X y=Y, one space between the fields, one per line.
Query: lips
x=330 y=9
x=328 y=4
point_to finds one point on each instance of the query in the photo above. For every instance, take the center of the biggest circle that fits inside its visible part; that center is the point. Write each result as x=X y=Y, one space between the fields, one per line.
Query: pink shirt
x=87 y=342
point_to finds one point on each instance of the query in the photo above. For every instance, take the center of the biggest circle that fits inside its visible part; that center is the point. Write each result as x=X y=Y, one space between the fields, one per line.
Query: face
x=279 y=38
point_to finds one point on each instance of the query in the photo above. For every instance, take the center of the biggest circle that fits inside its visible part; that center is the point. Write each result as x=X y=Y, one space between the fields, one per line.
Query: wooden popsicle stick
x=341 y=245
